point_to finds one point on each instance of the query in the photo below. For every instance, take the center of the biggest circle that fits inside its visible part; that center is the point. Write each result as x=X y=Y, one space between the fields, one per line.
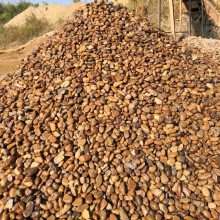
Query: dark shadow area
x=201 y=23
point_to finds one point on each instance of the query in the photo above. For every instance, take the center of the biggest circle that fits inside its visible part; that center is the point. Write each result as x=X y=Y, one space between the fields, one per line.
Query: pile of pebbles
x=110 y=119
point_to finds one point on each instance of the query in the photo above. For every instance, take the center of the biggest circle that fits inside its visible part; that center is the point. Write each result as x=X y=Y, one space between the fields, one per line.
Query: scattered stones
x=110 y=119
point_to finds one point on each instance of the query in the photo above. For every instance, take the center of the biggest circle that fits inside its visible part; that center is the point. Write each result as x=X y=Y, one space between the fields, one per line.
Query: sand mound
x=9 y=59
x=53 y=13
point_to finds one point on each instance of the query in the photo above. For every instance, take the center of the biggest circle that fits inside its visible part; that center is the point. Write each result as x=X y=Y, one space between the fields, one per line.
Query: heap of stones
x=110 y=119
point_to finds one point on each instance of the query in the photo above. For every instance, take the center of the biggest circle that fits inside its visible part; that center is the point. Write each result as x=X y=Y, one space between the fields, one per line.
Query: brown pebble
x=99 y=180
x=85 y=214
x=67 y=198
x=59 y=158
x=110 y=118
x=123 y=214
x=29 y=209
x=216 y=196
x=145 y=128
x=78 y=202
x=113 y=217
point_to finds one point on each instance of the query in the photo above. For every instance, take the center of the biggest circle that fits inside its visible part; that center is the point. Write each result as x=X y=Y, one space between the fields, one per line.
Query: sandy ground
x=10 y=59
x=53 y=13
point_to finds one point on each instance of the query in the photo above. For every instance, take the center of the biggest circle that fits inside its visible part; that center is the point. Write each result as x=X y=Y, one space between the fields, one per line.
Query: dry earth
x=10 y=59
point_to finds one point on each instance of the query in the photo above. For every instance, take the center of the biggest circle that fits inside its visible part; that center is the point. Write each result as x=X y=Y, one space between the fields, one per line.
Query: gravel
x=110 y=119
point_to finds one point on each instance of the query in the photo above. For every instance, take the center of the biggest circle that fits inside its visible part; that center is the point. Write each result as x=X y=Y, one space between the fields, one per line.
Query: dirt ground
x=10 y=59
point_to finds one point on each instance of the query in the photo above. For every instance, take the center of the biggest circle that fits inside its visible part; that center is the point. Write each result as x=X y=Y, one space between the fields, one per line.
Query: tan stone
x=85 y=214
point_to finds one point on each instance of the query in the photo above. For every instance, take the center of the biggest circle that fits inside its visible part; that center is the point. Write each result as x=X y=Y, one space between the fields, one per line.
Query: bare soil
x=10 y=59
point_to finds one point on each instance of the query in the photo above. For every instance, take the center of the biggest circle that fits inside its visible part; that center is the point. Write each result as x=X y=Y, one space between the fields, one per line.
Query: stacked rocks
x=110 y=119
